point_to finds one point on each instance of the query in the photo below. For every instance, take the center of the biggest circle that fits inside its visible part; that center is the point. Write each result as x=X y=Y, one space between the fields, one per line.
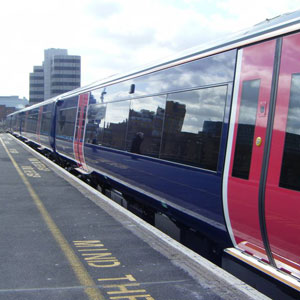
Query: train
x=209 y=138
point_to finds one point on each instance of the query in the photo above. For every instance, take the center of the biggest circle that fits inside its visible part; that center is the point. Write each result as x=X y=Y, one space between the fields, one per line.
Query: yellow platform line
x=81 y=273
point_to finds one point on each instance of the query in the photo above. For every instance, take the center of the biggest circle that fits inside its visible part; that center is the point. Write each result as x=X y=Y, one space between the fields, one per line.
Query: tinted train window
x=115 y=125
x=193 y=126
x=32 y=121
x=206 y=71
x=46 y=120
x=290 y=169
x=95 y=124
x=65 y=118
x=145 y=125
x=246 y=127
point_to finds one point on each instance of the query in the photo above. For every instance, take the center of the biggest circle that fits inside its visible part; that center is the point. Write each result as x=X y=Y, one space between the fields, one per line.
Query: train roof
x=269 y=28
x=51 y=100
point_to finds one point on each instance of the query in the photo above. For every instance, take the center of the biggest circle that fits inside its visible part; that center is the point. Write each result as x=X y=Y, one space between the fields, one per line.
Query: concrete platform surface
x=60 y=239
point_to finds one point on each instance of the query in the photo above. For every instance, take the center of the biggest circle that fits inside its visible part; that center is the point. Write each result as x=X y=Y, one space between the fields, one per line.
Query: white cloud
x=113 y=35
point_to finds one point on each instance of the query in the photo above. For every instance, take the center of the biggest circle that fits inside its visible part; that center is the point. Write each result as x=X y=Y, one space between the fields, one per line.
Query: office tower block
x=36 y=88
x=61 y=73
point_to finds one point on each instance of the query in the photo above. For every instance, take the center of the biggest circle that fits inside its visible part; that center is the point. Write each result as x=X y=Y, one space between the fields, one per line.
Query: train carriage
x=210 y=138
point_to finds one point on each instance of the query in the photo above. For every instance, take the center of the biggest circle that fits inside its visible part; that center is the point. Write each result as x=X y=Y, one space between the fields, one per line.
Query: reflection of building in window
x=62 y=120
x=94 y=130
x=290 y=171
x=66 y=122
x=175 y=113
x=243 y=151
x=199 y=149
x=149 y=123
x=136 y=143
x=193 y=126
x=114 y=135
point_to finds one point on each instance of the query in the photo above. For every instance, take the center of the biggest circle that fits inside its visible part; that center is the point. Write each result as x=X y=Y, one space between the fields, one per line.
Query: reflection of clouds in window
x=96 y=112
x=96 y=94
x=211 y=70
x=201 y=105
x=150 y=104
x=215 y=69
x=145 y=125
x=115 y=92
x=249 y=101
x=117 y=112
x=293 y=123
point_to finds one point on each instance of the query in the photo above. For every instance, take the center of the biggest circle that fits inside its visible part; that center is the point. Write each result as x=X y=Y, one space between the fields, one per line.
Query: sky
x=115 y=36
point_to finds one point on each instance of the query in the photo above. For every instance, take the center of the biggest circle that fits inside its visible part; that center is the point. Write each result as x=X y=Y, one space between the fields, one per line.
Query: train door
x=80 y=123
x=262 y=171
x=282 y=190
x=250 y=115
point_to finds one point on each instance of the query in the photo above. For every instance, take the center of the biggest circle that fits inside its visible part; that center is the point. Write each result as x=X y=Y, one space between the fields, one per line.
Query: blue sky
x=114 y=36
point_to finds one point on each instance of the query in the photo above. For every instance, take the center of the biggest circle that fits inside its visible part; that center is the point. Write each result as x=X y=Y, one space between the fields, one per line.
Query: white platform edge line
x=217 y=271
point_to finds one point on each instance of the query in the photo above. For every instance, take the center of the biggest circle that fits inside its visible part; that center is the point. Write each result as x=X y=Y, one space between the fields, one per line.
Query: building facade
x=9 y=104
x=36 y=89
x=60 y=73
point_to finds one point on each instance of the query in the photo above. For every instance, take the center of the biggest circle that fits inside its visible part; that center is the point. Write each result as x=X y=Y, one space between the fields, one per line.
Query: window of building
x=193 y=126
x=65 y=76
x=64 y=68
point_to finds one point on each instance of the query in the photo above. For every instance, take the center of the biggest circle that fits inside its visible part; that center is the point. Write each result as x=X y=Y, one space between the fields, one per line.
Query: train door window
x=95 y=124
x=115 y=126
x=193 y=126
x=290 y=170
x=145 y=125
x=246 y=127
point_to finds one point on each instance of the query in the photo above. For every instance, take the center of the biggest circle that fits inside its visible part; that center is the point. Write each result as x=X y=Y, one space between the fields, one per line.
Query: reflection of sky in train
x=293 y=123
x=249 y=102
x=96 y=113
x=150 y=103
x=117 y=112
x=201 y=105
x=211 y=70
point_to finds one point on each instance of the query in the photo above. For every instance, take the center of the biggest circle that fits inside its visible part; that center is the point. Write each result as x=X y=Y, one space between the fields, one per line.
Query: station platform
x=61 y=239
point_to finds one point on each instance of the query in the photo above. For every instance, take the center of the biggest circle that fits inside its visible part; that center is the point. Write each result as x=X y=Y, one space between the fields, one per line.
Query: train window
x=95 y=124
x=246 y=127
x=290 y=169
x=193 y=126
x=210 y=70
x=46 y=120
x=32 y=121
x=145 y=125
x=115 y=126
x=65 y=119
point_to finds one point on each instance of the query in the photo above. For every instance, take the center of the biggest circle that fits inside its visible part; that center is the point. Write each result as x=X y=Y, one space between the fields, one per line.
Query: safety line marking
x=81 y=273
